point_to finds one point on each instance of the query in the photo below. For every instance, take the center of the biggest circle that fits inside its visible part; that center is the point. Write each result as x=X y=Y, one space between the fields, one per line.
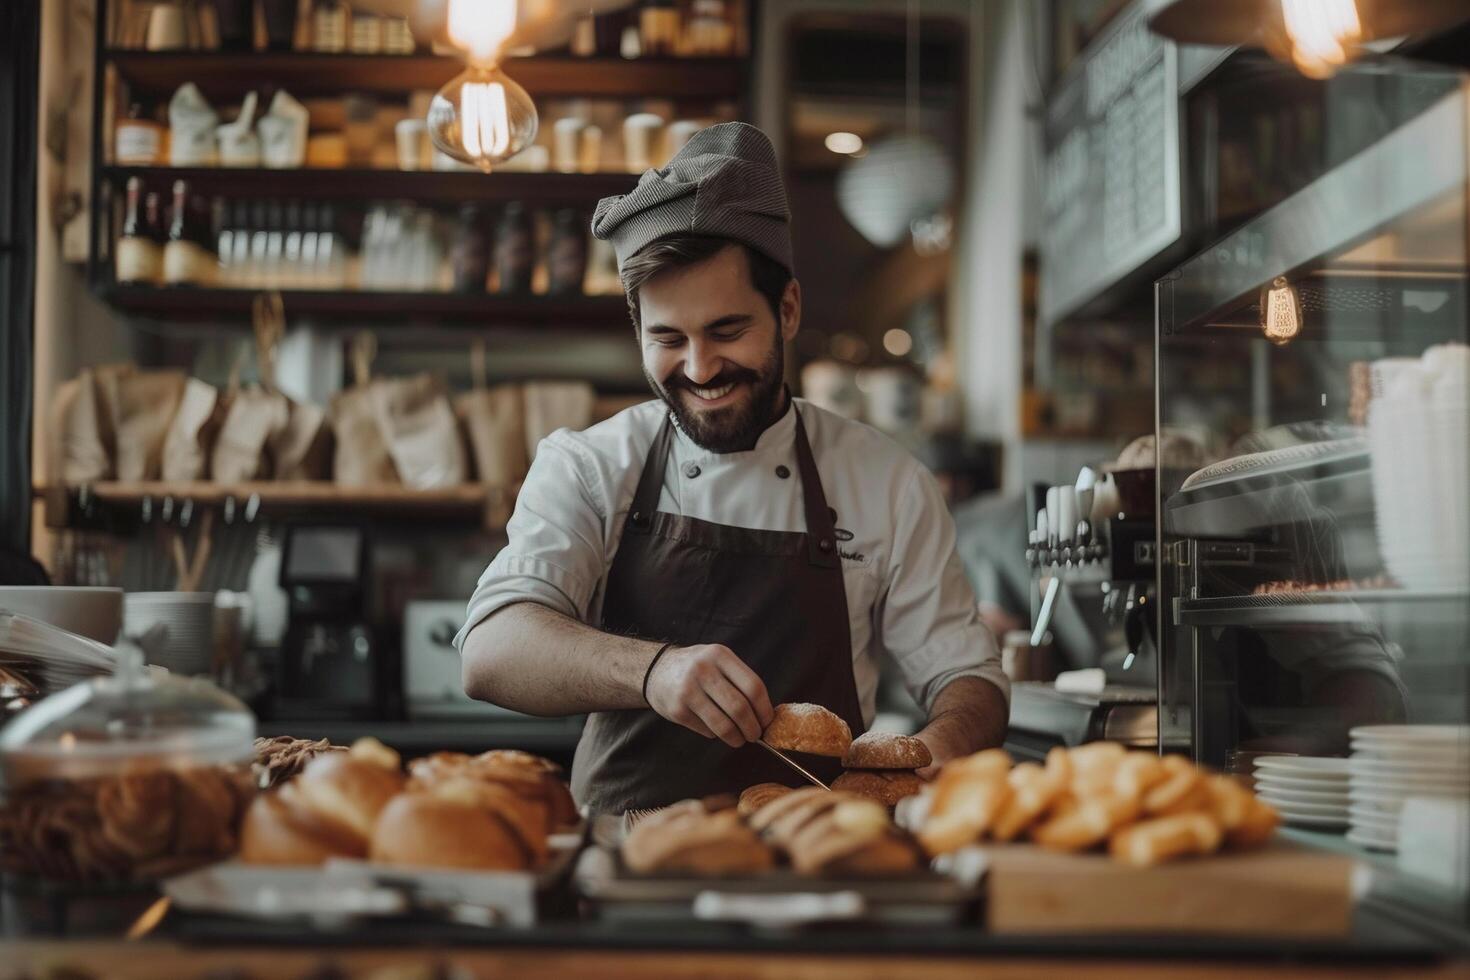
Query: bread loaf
x=811 y=728
x=885 y=786
x=280 y=829
x=886 y=750
x=757 y=796
x=694 y=841
x=348 y=790
x=431 y=831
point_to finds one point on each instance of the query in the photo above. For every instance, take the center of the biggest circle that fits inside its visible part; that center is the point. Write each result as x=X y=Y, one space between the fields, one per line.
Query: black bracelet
x=649 y=672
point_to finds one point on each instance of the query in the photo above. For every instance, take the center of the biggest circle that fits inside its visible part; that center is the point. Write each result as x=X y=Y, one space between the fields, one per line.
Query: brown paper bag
x=190 y=438
x=146 y=403
x=302 y=450
x=494 y=422
x=360 y=457
x=419 y=428
x=77 y=453
x=253 y=417
x=552 y=405
x=107 y=378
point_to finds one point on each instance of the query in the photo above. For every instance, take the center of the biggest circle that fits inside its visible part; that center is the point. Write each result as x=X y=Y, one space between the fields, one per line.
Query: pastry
x=693 y=841
x=1152 y=841
x=430 y=830
x=350 y=788
x=279 y=829
x=886 y=750
x=757 y=796
x=886 y=786
x=810 y=728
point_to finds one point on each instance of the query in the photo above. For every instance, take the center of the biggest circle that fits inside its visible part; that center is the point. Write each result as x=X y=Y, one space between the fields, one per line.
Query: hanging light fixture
x=1317 y=36
x=482 y=117
x=1281 y=311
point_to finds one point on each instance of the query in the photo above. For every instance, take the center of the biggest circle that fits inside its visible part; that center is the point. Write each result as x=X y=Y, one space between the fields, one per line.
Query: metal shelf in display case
x=1348 y=607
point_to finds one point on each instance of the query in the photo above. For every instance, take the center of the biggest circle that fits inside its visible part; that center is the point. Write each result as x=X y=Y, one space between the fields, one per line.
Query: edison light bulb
x=482 y=118
x=1281 y=312
x=1320 y=32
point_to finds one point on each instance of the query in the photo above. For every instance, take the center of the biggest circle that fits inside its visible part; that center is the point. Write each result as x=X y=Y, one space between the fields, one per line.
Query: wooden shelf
x=470 y=503
x=230 y=75
x=471 y=310
x=361 y=186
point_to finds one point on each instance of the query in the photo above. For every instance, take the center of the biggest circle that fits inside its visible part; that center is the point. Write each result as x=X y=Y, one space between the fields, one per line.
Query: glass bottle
x=137 y=256
x=137 y=141
x=470 y=254
x=185 y=263
x=330 y=20
x=566 y=253
x=515 y=250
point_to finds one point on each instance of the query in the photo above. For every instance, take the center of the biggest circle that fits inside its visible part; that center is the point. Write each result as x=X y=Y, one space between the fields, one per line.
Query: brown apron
x=774 y=597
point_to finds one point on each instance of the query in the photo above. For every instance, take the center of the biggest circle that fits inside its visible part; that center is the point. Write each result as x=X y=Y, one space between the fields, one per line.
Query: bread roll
x=808 y=728
x=757 y=796
x=430 y=831
x=886 y=750
x=886 y=786
x=526 y=818
x=344 y=788
x=279 y=829
x=690 y=841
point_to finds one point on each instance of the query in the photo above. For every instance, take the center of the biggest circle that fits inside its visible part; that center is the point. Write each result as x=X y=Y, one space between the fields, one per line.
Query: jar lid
x=135 y=716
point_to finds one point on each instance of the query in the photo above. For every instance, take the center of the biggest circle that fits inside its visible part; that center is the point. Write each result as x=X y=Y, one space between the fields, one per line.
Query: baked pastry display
x=282 y=758
x=146 y=822
x=490 y=812
x=757 y=796
x=885 y=786
x=685 y=839
x=1144 y=808
x=835 y=833
x=811 y=728
x=886 y=750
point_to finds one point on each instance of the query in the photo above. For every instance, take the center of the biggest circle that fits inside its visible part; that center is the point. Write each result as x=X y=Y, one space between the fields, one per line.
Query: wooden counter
x=152 y=960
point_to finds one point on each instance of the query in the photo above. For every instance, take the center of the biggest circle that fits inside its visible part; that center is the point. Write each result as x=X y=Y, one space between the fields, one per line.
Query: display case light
x=1281 y=311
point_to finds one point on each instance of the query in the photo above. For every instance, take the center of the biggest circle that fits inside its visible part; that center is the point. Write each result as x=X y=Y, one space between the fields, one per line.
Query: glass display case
x=1316 y=573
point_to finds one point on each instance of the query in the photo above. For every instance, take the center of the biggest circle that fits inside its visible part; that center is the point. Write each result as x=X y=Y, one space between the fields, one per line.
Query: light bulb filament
x=484 y=119
x=1320 y=31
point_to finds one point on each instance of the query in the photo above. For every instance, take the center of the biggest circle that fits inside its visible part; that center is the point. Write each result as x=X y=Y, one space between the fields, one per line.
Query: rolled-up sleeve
x=557 y=547
x=927 y=617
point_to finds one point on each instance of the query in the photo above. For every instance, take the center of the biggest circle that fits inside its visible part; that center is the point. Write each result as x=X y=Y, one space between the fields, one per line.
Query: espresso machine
x=332 y=661
x=1092 y=556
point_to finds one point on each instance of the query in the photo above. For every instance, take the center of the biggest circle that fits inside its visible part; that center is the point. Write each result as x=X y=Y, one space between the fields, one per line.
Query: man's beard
x=737 y=427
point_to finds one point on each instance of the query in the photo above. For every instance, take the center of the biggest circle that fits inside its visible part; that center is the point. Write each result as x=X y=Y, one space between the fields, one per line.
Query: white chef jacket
x=906 y=589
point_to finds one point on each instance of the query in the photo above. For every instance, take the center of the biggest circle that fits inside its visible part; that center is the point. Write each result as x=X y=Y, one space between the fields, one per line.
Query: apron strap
x=651 y=483
x=821 y=532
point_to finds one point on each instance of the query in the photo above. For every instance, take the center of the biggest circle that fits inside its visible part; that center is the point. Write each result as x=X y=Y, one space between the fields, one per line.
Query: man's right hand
x=711 y=691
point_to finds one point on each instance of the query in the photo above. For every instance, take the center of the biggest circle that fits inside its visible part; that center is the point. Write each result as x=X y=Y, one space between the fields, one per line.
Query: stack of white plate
x=1308 y=791
x=188 y=647
x=1393 y=763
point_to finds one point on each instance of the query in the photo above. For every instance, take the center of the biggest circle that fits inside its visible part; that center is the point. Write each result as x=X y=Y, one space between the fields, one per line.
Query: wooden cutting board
x=1284 y=890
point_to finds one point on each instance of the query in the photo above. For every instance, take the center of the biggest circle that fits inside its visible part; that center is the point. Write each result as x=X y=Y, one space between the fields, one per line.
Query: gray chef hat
x=724 y=183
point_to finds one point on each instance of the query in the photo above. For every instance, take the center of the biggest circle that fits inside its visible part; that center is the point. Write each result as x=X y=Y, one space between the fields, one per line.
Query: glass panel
x=1317 y=573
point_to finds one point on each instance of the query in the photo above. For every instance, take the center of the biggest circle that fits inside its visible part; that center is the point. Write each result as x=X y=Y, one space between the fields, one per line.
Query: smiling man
x=680 y=568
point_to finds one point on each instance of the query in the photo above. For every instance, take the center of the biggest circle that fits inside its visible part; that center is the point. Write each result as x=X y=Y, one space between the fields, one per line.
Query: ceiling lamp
x=902 y=180
x=1317 y=36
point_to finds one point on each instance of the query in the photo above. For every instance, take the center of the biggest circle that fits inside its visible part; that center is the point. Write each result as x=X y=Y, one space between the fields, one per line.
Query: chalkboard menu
x=1110 y=193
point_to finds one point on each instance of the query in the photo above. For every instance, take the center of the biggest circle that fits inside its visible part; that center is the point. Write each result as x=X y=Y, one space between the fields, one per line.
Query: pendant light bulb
x=482 y=117
x=1321 y=33
x=1281 y=312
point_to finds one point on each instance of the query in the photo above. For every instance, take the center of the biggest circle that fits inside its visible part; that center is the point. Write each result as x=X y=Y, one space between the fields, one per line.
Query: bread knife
x=792 y=763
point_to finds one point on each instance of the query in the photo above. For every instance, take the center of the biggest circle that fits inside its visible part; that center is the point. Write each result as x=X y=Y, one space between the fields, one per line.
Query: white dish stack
x=1308 y=791
x=1392 y=764
x=188 y=647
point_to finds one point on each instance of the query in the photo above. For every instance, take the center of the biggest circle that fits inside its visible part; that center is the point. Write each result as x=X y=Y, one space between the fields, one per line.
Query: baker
x=676 y=570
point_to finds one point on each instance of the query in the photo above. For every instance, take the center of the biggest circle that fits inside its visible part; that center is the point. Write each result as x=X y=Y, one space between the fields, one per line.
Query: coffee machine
x=332 y=661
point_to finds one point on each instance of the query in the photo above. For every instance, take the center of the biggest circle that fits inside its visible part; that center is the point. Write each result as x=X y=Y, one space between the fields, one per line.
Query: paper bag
x=494 y=422
x=302 y=450
x=252 y=419
x=552 y=405
x=145 y=407
x=360 y=455
x=77 y=453
x=419 y=429
x=190 y=438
